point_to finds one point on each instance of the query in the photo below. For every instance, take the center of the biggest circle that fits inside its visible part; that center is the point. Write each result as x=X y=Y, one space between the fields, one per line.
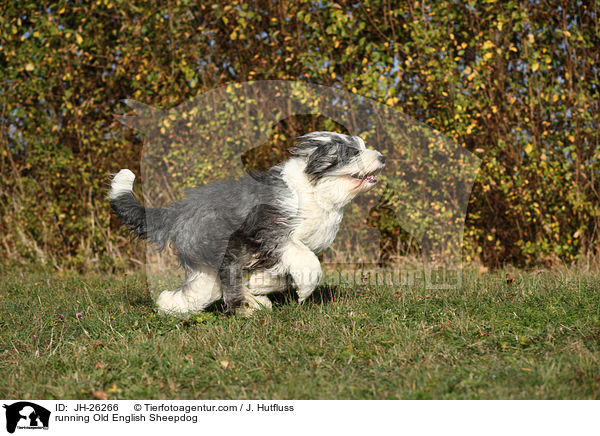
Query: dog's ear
x=303 y=148
x=321 y=161
x=307 y=144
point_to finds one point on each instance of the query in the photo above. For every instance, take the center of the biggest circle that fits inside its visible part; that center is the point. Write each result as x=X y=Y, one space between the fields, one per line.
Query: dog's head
x=339 y=163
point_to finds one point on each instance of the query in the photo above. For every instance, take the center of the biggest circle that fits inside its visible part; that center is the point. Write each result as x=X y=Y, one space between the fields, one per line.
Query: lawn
x=69 y=336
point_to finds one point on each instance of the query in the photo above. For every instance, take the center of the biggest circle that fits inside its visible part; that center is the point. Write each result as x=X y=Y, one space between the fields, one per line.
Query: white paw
x=252 y=303
x=303 y=294
x=172 y=303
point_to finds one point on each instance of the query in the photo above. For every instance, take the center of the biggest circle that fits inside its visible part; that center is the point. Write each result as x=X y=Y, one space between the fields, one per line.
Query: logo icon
x=26 y=415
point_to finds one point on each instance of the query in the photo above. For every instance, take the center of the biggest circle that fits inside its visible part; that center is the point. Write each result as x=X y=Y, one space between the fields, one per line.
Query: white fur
x=121 y=183
x=304 y=267
x=199 y=291
x=361 y=143
x=365 y=163
x=264 y=282
x=318 y=212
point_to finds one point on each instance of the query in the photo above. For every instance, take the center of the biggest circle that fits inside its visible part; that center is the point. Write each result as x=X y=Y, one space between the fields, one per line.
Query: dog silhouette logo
x=26 y=415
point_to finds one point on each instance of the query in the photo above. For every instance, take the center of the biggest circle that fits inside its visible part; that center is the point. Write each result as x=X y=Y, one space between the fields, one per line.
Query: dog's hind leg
x=245 y=293
x=236 y=295
x=255 y=289
x=200 y=289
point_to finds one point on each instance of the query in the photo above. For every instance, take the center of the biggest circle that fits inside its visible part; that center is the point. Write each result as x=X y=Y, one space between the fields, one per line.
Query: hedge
x=515 y=83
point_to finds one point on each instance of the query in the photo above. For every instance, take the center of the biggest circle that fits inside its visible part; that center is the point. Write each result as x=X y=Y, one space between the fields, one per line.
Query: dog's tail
x=145 y=223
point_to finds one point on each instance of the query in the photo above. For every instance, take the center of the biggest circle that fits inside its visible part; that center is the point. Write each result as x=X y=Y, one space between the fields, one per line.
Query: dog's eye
x=349 y=152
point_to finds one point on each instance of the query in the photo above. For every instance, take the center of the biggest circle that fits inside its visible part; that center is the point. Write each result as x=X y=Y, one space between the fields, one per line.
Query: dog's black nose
x=381 y=158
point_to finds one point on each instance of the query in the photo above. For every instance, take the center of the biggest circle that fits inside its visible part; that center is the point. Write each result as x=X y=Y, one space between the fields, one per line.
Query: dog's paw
x=172 y=303
x=253 y=303
x=303 y=294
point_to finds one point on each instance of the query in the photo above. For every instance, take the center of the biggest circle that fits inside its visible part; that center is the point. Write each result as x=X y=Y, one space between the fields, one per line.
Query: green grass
x=536 y=338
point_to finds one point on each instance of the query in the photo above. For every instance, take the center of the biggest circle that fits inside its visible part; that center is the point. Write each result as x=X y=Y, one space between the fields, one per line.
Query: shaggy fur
x=242 y=239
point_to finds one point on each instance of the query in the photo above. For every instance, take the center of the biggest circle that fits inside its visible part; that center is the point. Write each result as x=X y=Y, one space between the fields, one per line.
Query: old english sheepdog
x=240 y=240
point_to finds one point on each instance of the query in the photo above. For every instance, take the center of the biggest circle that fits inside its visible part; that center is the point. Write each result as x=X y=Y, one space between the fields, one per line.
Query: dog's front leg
x=304 y=267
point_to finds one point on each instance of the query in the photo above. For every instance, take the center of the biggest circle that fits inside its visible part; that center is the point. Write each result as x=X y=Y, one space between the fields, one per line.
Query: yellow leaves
x=528 y=148
x=391 y=101
x=29 y=67
x=487 y=45
x=535 y=66
x=531 y=38
x=470 y=73
x=78 y=38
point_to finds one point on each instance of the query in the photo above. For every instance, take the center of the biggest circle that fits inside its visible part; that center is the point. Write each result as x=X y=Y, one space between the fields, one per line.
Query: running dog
x=240 y=240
